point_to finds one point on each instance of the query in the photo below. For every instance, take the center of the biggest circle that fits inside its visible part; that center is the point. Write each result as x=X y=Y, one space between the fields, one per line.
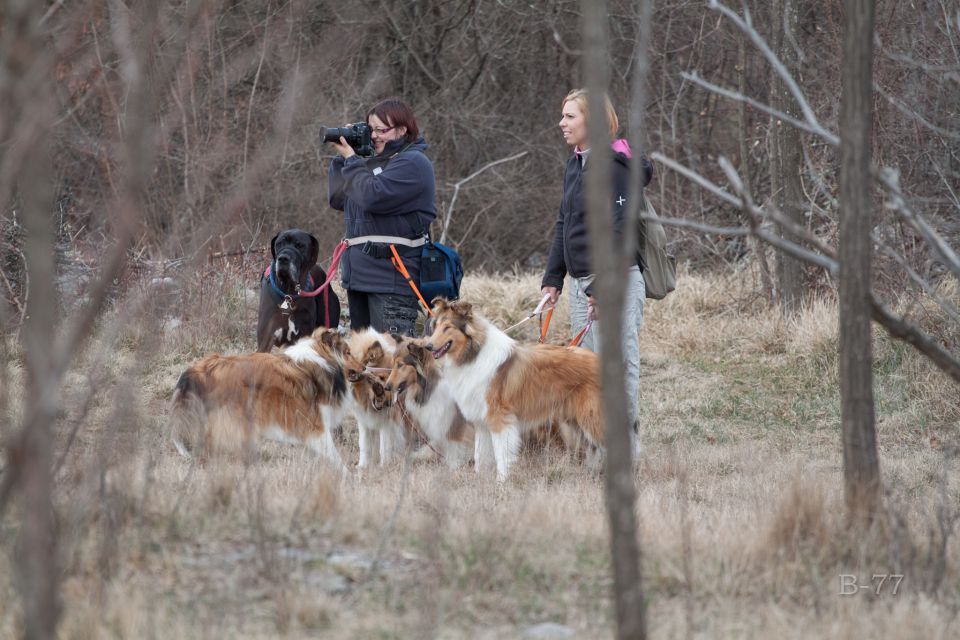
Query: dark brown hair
x=394 y=113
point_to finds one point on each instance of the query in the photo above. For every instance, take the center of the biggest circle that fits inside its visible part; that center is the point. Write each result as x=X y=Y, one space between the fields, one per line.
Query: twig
x=948 y=307
x=816 y=129
x=898 y=328
x=746 y=26
x=253 y=91
x=910 y=113
x=459 y=183
x=891 y=181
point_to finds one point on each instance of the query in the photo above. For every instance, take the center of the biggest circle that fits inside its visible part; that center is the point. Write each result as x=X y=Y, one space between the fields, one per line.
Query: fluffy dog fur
x=504 y=387
x=416 y=379
x=372 y=349
x=294 y=396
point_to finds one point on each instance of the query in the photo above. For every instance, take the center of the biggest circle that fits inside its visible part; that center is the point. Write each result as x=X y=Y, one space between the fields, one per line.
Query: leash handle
x=398 y=264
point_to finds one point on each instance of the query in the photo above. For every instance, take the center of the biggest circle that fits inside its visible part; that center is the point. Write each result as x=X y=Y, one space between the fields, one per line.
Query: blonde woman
x=570 y=251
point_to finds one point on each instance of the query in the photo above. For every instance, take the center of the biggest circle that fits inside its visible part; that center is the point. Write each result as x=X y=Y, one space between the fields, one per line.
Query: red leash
x=331 y=272
x=338 y=252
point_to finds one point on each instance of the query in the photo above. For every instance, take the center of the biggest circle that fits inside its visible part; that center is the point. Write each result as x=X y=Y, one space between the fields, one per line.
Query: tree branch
x=899 y=328
x=459 y=183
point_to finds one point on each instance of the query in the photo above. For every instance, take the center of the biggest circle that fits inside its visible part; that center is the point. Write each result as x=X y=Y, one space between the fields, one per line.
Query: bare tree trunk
x=861 y=469
x=26 y=100
x=758 y=248
x=785 y=153
x=609 y=264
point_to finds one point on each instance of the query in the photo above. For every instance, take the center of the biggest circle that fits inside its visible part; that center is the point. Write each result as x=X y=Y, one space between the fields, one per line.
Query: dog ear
x=418 y=352
x=374 y=353
x=273 y=245
x=328 y=338
x=439 y=304
x=314 y=252
x=464 y=309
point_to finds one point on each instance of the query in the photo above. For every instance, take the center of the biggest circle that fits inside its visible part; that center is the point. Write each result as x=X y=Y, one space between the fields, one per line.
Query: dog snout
x=428 y=347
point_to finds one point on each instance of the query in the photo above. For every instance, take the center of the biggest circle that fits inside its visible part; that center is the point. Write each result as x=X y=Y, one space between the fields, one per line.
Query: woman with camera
x=390 y=194
x=569 y=253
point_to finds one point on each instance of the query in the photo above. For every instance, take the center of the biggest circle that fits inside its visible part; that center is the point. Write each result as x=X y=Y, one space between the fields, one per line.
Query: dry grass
x=740 y=499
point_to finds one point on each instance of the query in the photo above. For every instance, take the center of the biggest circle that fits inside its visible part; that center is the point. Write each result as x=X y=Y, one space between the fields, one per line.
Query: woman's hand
x=343 y=148
x=591 y=308
x=553 y=292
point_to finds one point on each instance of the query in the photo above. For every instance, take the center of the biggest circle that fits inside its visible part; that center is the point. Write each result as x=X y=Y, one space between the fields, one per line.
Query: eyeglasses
x=380 y=132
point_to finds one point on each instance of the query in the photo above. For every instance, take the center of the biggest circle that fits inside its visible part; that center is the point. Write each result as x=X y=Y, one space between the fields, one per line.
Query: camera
x=357 y=136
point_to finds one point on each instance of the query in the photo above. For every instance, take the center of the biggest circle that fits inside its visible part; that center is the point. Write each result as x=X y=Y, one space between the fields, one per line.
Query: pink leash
x=338 y=252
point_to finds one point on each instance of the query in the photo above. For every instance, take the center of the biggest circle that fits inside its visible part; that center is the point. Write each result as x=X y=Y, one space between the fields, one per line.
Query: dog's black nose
x=428 y=347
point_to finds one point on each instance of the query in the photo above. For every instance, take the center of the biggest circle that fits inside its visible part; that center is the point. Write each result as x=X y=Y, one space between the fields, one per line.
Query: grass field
x=739 y=498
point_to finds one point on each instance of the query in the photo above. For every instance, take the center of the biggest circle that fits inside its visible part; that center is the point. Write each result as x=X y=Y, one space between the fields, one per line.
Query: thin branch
x=774 y=239
x=815 y=129
x=253 y=91
x=690 y=174
x=746 y=26
x=459 y=183
x=948 y=307
x=749 y=208
x=683 y=223
x=890 y=179
x=404 y=37
x=797 y=230
x=899 y=328
x=911 y=113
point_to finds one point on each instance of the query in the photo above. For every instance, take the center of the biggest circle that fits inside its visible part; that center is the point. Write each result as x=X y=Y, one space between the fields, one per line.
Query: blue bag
x=440 y=272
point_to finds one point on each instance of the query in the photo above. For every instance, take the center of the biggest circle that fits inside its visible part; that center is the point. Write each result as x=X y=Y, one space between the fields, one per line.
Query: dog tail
x=187 y=413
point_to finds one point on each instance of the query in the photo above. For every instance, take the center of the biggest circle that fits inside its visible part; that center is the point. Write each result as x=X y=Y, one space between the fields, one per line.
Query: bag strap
x=398 y=264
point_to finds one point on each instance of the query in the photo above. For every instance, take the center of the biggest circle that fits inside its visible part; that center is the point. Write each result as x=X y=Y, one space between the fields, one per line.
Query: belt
x=407 y=242
x=378 y=246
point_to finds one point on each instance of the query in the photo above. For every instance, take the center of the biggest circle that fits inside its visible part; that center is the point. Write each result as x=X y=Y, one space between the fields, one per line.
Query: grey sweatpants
x=635 y=295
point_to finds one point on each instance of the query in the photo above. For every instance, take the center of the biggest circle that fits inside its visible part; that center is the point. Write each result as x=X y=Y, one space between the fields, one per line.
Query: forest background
x=174 y=139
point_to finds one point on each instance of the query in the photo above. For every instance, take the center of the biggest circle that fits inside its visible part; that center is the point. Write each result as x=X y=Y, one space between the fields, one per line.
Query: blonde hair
x=580 y=97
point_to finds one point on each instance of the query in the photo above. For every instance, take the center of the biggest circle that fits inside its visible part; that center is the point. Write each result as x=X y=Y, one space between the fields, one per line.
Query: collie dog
x=376 y=415
x=504 y=387
x=416 y=381
x=295 y=396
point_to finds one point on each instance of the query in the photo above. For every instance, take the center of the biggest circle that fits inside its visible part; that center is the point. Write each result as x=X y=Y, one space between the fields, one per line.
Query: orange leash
x=544 y=325
x=577 y=339
x=398 y=264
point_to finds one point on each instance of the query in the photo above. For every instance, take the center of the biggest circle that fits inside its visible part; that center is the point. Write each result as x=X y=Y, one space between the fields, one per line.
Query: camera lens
x=332 y=134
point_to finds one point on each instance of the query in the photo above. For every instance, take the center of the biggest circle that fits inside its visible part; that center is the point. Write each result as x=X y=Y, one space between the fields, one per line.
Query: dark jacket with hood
x=570 y=251
x=390 y=194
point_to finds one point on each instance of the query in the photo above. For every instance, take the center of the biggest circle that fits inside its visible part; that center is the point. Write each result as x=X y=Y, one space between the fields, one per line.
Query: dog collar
x=287 y=299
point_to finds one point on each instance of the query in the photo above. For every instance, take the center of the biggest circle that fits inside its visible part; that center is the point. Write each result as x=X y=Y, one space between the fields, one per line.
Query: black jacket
x=391 y=194
x=570 y=251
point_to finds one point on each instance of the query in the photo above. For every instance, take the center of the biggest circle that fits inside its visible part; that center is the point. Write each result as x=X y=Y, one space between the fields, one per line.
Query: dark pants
x=383 y=311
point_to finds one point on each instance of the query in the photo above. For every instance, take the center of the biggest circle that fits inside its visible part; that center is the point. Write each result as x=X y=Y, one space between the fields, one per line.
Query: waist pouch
x=441 y=271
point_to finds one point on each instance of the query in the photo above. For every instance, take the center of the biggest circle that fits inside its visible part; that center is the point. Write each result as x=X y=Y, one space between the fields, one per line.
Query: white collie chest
x=469 y=383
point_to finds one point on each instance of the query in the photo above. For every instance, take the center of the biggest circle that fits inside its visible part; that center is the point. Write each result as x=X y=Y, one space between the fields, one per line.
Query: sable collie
x=294 y=396
x=504 y=387
x=368 y=400
x=416 y=378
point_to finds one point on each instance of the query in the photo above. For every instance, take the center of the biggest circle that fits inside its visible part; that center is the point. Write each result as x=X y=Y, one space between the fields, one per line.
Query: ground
x=739 y=499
